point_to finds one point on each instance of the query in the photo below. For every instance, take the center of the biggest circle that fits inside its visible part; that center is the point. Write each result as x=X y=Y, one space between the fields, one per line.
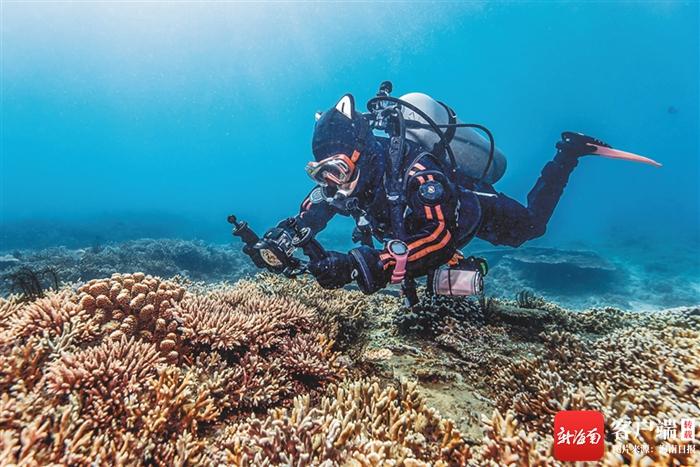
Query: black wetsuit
x=440 y=218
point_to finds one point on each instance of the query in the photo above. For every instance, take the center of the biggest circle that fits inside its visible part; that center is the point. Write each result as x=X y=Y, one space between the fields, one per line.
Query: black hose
x=395 y=157
x=492 y=142
x=434 y=126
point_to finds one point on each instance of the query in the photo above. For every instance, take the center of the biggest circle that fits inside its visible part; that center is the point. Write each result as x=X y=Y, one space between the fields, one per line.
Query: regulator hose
x=492 y=142
x=432 y=125
x=436 y=128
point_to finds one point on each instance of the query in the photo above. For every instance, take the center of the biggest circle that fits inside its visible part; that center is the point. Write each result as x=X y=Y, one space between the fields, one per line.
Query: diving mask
x=336 y=171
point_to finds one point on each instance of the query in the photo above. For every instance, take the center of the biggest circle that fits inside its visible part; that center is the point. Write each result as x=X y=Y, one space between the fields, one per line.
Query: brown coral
x=341 y=314
x=357 y=423
x=135 y=370
x=99 y=376
x=104 y=376
x=50 y=315
x=136 y=305
x=239 y=317
x=643 y=370
x=505 y=443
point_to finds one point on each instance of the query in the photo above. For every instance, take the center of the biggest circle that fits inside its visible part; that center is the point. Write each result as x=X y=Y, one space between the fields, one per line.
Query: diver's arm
x=430 y=245
x=315 y=211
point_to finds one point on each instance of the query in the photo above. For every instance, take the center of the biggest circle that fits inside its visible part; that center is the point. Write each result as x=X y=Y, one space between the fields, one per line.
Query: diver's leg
x=507 y=222
x=545 y=195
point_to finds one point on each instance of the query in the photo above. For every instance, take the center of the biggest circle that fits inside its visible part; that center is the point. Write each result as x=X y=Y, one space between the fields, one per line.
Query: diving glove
x=362 y=265
x=333 y=271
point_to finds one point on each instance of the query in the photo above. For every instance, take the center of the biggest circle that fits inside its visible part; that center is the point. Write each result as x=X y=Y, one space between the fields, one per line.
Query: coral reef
x=636 y=368
x=505 y=443
x=573 y=279
x=357 y=423
x=429 y=316
x=195 y=260
x=342 y=314
x=655 y=277
x=134 y=369
x=554 y=271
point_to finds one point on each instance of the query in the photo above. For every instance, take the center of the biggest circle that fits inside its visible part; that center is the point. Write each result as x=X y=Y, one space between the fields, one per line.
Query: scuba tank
x=471 y=150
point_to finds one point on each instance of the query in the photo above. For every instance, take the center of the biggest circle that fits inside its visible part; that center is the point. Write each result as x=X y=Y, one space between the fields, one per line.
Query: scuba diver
x=423 y=192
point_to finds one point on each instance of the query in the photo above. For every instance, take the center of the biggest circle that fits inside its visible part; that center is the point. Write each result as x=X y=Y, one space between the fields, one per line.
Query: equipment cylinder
x=470 y=147
x=457 y=282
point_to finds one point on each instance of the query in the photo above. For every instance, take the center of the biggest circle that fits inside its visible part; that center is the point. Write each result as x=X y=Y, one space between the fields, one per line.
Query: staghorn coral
x=104 y=374
x=505 y=443
x=115 y=396
x=251 y=382
x=341 y=314
x=634 y=374
x=8 y=307
x=634 y=367
x=50 y=315
x=357 y=423
x=310 y=359
x=236 y=317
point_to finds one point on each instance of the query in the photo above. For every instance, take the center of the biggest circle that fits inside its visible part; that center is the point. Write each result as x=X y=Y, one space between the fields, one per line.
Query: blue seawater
x=131 y=119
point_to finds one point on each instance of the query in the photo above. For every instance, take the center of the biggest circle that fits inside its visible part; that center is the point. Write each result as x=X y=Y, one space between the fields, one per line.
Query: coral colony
x=133 y=369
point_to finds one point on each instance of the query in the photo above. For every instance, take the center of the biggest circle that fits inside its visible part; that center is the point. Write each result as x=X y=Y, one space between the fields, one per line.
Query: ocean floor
x=124 y=368
x=219 y=365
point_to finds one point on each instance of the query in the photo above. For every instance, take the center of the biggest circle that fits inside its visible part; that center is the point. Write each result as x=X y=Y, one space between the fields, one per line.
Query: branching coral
x=135 y=370
x=8 y=307
x=89 y=377
x=634 y=374
x=136 y=305
x=506 y=443
x=341 y=314
x=309 y=359
x=633 y=367
x=236 y=318
x=103 y=376
x=49 y=315
x=356 y=424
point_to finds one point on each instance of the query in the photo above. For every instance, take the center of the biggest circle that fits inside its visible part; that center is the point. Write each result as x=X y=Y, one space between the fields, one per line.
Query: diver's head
x=341 y=142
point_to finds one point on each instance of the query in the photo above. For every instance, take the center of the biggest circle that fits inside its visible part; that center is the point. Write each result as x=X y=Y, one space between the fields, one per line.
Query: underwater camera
x=275 y=250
